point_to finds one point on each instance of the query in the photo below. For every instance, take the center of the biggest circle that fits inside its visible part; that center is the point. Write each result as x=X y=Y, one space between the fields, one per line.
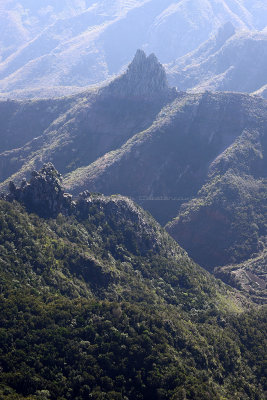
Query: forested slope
x=105 y=304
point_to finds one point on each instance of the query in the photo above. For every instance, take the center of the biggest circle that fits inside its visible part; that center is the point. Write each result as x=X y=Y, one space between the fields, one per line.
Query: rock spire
x=145 y=78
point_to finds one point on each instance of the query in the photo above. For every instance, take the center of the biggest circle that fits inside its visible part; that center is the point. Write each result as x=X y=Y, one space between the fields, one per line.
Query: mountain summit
x=144 y=78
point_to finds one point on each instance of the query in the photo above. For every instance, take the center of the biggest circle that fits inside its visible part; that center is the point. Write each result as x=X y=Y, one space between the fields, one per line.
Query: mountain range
x=133 y=211
x=51 y=49
x=197 y=162
x=229 y=61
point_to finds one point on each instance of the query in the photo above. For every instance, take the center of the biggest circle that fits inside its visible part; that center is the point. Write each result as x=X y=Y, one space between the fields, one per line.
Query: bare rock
x=145 y=78
x=43 y=194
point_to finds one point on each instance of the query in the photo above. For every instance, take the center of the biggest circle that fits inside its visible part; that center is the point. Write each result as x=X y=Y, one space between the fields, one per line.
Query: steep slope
x=21 y=122
x=88 y=125
x=169 y=161
x=204 y=51
x=105 y=304
x=226 y=222
x=227 y=62
x=72 y=43
x=204 y=152
x=157 y=146
x=114 y=230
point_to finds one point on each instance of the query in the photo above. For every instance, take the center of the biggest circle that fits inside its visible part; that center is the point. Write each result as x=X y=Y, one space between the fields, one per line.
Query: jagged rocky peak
x=143 y=65
x=43 y=194
x=144 y=78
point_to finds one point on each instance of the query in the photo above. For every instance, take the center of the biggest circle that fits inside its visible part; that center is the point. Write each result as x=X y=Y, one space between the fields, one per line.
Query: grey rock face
x=145 y=78
x=43 y=194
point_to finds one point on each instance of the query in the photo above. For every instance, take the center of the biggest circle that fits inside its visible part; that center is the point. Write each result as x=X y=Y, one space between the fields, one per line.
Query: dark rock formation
x=43 y=194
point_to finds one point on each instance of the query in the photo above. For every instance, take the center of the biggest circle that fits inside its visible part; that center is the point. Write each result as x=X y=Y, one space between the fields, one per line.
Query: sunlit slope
x=72 y=44
x=227 y=62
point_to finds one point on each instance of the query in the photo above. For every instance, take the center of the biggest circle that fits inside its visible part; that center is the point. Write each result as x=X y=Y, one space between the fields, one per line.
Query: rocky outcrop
x=145 y=78
x=43 y=194
x=75 y=131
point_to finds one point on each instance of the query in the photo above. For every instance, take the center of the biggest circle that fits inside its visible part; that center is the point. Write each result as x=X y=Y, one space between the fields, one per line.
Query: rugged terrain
x=197 y=158
x=104 y=303
x=209 y=149
x=98 y=299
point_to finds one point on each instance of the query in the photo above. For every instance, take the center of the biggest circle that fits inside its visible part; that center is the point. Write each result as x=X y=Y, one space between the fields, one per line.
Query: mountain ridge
x=89 y=119
x=166 y=151
x=78 y=44
x=231 y=61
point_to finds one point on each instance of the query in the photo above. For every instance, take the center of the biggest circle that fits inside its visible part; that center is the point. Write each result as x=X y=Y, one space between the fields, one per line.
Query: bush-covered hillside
x=99 y=302
x=226 y=222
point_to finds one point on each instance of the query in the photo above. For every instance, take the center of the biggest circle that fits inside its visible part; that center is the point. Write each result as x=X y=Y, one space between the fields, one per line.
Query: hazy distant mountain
x=227 y=62
x=97 y=300
x=79 y=43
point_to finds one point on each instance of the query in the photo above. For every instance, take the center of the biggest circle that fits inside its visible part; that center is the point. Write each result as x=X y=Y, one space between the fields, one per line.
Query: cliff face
x=168 y=163
x=145 y=78
x=43 y=194
x=139 y=138
x=225 y=223
x=204 y=158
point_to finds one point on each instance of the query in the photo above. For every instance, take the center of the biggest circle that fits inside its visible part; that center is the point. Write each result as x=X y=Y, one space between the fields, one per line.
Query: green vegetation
x=107 y=306
x=230 y=212
x=101 y=302
x=201 y=157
